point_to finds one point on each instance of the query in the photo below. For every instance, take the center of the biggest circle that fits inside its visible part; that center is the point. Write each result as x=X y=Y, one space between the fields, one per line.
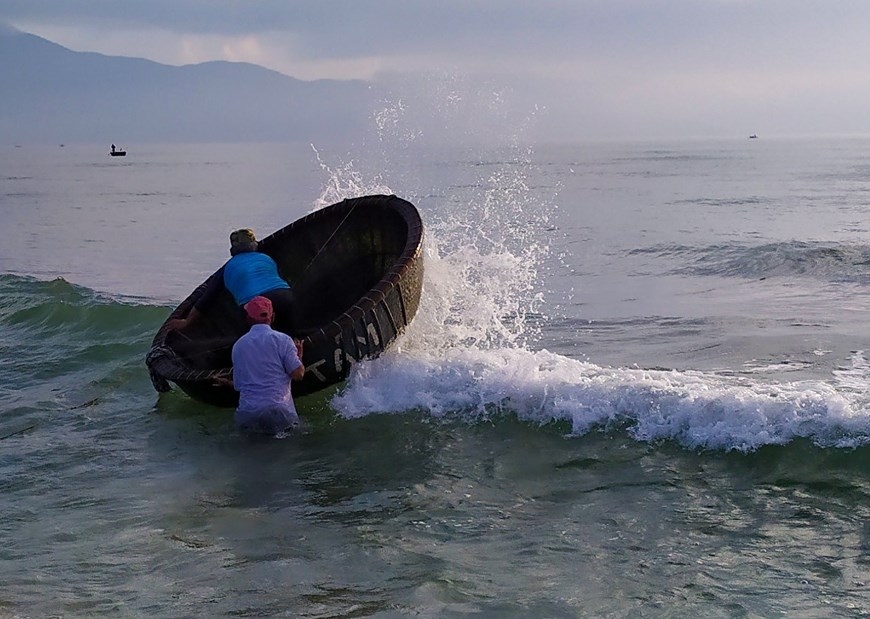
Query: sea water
x=637 y=385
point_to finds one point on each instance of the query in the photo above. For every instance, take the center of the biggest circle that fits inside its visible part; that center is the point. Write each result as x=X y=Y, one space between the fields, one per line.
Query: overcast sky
x=593 y=68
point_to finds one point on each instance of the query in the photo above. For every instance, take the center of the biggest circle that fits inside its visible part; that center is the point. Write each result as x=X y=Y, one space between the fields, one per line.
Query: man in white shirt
x=265 y=362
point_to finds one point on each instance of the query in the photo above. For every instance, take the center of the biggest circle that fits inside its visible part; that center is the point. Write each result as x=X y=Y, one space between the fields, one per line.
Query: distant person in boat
x=113 y=148
x=265 y=362
x=247 y=274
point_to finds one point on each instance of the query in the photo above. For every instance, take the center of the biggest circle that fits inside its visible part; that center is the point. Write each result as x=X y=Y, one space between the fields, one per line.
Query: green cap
x=242 y=241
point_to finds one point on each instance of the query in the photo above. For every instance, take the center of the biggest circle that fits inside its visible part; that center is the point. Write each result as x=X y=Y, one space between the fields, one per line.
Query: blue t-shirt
x=251 y=273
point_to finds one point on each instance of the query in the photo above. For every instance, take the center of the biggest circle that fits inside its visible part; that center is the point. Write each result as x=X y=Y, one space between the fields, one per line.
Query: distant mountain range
x=50 y=94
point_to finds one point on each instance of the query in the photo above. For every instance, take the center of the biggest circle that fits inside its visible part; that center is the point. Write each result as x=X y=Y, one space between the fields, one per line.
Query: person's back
x=264 y=363
x=260 y=367
x=249 y=274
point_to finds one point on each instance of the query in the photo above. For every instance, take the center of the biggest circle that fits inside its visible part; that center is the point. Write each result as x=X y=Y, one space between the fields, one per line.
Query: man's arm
x=224 y=381
x=180 y=324
x=212 y=288
x=299 y=372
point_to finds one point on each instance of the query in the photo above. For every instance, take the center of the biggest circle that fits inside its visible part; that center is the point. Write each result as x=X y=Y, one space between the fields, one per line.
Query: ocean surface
x=638 y=386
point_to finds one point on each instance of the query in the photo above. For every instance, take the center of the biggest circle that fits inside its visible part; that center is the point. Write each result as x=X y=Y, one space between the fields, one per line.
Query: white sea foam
x=470 y=354
x=695 y=409
x=466 y=356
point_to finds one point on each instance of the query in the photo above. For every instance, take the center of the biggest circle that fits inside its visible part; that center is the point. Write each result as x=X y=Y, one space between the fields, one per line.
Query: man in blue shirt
x=247 y=274
x=265 y=362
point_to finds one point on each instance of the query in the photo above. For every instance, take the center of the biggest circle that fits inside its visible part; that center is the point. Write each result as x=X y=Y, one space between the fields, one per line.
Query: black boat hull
x=356 y=268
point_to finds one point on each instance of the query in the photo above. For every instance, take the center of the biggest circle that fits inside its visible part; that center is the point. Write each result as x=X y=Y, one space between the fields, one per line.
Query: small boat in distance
x=117 y=153
x=356 y=268
x=753 y=136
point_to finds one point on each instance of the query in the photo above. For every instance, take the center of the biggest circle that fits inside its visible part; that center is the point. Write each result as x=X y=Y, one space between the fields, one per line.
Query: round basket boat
x=356 y=269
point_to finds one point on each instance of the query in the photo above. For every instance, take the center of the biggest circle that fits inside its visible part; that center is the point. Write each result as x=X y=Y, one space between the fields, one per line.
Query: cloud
x=499 y=35
x=628 y=61
x=546 y=28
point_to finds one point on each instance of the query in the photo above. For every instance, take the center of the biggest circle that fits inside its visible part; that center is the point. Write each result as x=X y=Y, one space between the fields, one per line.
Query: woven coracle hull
x=356 y=269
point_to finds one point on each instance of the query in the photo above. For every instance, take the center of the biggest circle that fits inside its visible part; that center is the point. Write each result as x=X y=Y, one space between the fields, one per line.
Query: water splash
x=345 y=181
x=485 y=241
x=482 y=253
x=469 y=353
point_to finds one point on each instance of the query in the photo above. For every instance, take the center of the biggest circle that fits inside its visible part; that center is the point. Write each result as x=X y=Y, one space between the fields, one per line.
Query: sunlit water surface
x=636 y=386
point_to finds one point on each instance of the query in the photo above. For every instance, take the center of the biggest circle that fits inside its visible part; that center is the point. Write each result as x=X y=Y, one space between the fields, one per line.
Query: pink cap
x=259 y=309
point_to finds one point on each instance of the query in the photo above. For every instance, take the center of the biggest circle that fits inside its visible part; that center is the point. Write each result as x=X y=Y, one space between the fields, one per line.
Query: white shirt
x=263 y=360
